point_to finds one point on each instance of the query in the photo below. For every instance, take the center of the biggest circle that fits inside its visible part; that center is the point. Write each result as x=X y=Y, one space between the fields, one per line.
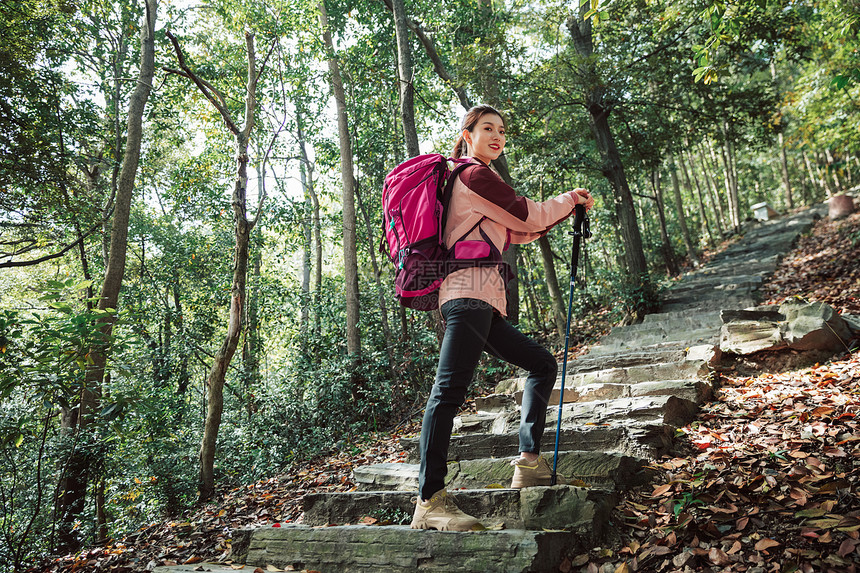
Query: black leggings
x=471 y=327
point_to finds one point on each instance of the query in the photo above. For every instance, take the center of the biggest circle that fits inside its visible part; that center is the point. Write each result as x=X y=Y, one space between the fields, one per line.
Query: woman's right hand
x=582 y=197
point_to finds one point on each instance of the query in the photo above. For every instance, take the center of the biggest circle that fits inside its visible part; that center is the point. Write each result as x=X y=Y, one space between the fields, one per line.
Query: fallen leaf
x=736 y=546
x=718 y=556
x=847 y=547
x=661 y=490
x=765 y=544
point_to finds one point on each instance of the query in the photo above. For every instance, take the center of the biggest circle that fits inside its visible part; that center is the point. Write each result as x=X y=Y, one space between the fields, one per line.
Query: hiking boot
x=529 y=474
x=441 y=513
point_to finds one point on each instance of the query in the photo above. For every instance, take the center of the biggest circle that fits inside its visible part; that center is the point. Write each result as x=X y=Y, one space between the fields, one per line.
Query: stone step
x=697 y=391
x=634 y=341
x=659 y=317
x=707 y=295
x=712 y=304
x=643 y=439
x=658 y=331
x=694 y=280
x=665 y=409
x=690 y=321
x=620 y=404
x=572 y=508
x=602 y=358
x=611 y=470
x=687 y=369
x=399 y=549
x=727 y=268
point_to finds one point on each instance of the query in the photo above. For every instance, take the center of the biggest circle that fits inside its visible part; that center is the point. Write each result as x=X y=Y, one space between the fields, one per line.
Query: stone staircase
x=622 y=404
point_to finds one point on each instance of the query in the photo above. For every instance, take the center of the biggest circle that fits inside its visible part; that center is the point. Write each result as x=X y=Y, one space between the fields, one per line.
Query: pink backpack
x=415 y=200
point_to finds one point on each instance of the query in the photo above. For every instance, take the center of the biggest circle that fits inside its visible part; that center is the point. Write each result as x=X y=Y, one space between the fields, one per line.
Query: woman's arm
x=526 y=219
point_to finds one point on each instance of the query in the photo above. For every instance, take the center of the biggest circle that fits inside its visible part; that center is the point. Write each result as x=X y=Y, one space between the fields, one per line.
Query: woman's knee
x=548 y=366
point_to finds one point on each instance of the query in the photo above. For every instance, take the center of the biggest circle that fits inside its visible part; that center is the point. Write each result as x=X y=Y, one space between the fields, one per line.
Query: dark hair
x=470 y=120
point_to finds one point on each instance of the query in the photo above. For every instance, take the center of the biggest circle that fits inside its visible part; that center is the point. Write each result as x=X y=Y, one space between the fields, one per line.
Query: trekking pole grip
x=581 y=226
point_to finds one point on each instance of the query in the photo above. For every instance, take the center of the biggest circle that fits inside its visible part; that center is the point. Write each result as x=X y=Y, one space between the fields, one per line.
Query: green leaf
x=840 y=81
x=19 y=440
x=111 y=411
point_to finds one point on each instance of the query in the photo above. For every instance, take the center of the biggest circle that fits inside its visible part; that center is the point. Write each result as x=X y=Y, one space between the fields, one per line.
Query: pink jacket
x=481 y=201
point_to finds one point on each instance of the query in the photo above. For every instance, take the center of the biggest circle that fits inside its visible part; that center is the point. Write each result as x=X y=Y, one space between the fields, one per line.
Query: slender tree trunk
x=612 y=168
x=709 y=169
x=831 y=166
x=733 y=166
x=377 y=274
x=734 y=211
x=558 y=310
x=822 y=173
x=706 y=225
x=242 y=235
x=438 y=65
x=317 y=228
x=510 y=256
x=307 y=228
x=668 y=252
x=252 y=347
x=679 y=210
x=350 y=259
x=405 y=74
x=73 y=485
x=531 y=298
x=786 y=182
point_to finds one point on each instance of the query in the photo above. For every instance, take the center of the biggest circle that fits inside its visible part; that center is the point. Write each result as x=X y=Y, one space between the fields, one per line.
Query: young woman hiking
x=473 y=304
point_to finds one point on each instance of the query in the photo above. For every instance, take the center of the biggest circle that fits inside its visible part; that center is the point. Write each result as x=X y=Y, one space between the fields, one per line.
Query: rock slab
x=399 y=549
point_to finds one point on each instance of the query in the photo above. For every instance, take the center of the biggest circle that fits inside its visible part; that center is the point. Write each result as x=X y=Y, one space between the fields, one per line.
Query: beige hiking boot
x=441 y=513
x=529 y=474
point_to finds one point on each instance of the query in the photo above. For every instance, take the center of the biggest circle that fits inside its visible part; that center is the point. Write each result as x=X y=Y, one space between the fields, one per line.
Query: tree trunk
x=706 y=225
x=530 y=292
x=835 y=172
x=786 y=182
x=405 y=74
x=307 y=246
x=377 y=274
x=317 y=229
x=350 y=258
x=733 y=167
x=73 y=484
x=612 y=168
x=510 y=256
x=242 y=234
x=252 y=347
x=433 y=54
x=708 y=169
x=558 y=311
x=734 y=210
x=668 y=252
x=682 y=217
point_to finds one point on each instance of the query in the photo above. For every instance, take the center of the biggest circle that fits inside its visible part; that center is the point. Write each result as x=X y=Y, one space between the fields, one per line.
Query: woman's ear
x=467 y=136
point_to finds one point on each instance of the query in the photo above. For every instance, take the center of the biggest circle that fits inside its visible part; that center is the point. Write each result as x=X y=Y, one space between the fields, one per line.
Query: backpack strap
x=447 y=192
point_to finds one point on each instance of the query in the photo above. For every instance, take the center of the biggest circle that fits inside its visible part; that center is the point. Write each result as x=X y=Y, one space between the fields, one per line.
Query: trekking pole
x=581 y=230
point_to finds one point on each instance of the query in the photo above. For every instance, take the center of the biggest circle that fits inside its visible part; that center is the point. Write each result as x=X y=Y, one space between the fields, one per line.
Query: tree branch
x=205 y=87
x=11 y=264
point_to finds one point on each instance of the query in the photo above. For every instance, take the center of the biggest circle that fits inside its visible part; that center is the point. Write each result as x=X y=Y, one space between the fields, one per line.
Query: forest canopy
x=192 y=294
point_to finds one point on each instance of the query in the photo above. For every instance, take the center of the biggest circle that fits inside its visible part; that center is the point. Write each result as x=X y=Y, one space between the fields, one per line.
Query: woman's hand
x=582 y=197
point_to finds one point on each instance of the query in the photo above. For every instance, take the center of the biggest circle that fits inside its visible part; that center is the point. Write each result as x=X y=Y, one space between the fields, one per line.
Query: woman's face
x=487 y=139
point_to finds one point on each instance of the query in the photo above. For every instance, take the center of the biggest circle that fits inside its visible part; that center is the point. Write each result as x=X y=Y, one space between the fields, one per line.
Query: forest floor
x=767 y=479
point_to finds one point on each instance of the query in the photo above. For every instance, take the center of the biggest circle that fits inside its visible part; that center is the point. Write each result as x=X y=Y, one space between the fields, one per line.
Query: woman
x=473 y=305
